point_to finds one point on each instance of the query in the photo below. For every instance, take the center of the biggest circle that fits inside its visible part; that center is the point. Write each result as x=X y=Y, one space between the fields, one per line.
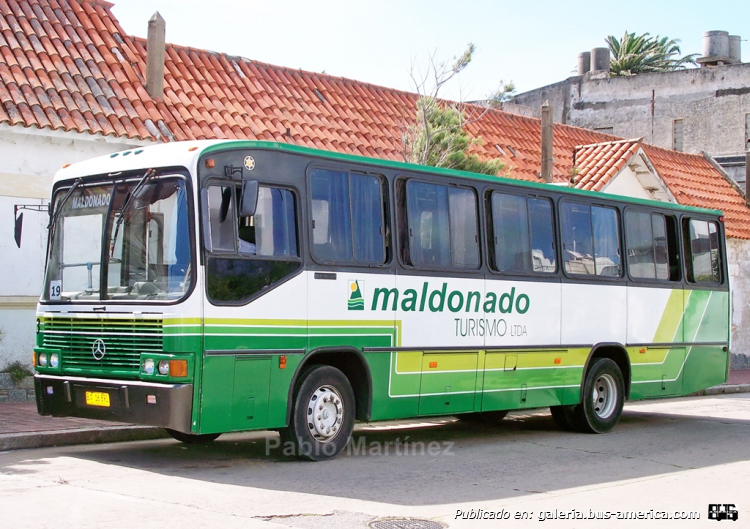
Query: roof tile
x=68 y=64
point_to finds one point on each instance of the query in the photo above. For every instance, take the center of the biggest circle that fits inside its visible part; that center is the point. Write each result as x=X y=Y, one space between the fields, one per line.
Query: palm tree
x=633 y=54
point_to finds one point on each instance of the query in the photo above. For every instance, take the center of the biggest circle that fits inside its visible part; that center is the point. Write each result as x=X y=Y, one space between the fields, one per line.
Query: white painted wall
x=738 y=251
x=29 y=158
x=626 y=184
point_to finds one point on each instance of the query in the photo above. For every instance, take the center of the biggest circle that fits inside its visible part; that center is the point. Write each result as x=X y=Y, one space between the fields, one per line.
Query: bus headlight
x=164 y=367
x=43 y=359
x=148 y=366
x=54 y=360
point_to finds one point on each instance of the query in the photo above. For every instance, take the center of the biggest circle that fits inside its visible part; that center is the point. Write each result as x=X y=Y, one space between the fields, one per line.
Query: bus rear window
x=704 y=264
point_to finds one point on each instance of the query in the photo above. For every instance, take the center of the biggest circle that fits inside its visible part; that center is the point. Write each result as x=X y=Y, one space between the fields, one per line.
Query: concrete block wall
x=712 y=102
x=11 y=391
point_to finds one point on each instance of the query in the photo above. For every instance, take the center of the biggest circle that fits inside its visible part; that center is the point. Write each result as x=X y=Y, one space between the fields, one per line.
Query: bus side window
x=443 y=228
x=272 y=231
x=702 y=245
x=347 y=216
x=523 y=234
x=591 y=241
x=651 y=241
x=222 y=219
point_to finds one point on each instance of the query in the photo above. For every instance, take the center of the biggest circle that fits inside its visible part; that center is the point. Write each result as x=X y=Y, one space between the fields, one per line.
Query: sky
x=531 y=43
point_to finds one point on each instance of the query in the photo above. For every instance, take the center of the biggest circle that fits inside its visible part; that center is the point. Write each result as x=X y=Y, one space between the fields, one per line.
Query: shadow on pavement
x=523 y=454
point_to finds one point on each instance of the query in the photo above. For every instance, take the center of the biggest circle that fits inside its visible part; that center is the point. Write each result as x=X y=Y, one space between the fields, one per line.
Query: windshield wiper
x=126 y=206
x=56 y=213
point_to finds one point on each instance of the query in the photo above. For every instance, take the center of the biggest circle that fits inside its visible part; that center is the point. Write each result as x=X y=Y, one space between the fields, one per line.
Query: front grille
x=124 y=340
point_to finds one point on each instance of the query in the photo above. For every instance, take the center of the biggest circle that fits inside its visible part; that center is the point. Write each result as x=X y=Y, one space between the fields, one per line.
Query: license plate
x=97 y=398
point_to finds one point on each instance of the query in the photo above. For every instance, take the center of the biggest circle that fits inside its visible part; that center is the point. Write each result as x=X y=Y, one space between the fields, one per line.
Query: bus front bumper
x=131 y=401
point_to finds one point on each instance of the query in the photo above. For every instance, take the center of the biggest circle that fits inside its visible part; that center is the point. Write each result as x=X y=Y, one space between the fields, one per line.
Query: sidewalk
x=22 y=427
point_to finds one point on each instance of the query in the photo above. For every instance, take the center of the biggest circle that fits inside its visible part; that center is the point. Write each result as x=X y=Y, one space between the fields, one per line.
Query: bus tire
x=323 y=412
x=603 y=398
x=191 y=438
x=486 y=417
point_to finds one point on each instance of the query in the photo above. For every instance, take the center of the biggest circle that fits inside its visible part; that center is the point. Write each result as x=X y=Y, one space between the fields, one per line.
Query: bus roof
x=187 y=153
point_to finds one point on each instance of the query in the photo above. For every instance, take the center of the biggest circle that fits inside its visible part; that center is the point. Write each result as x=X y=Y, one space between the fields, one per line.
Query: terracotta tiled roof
x=599 y=163
x=694 y=181
x=68 y=65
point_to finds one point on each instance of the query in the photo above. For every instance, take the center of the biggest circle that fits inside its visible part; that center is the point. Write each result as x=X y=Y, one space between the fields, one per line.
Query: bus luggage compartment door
x=448 y=383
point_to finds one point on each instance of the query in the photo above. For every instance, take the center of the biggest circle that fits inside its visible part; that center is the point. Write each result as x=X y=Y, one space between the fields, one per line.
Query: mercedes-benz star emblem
x=98 y=349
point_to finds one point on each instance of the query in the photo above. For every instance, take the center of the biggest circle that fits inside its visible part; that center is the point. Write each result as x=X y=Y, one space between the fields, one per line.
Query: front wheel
x=322 y=415
x=603 y=398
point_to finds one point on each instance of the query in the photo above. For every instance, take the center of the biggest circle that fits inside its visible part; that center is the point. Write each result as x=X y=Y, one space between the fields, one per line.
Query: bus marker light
x=433 y=365
x=721 y=219
x=178 y=368
x=151 y=399
x=210 y=163
x=642 y=350
x=191 y=149
x=65 y=166
x=558 y=360
x=33 y=360
x=282 y=362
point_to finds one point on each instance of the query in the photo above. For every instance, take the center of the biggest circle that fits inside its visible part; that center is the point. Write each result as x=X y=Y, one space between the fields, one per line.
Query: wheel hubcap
x=325 y=412
x=604 y=396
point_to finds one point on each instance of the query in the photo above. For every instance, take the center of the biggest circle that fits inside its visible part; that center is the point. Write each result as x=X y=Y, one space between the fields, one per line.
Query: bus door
x=256 y=308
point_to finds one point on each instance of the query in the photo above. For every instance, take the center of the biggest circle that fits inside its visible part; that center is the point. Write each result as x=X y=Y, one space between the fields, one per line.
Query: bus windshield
x=139 y=245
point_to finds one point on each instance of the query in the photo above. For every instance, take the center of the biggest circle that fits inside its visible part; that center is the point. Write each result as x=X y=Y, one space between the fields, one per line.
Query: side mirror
x=19 y=225
x=249 y=201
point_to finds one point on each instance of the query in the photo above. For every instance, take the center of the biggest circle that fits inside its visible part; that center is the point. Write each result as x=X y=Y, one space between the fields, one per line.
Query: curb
x=111 y=434
x=724 y=390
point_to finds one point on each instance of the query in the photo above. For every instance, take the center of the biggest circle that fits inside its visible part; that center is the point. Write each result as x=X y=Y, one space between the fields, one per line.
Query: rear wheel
x=322 y=414
x=603 y=398
x=191 y=438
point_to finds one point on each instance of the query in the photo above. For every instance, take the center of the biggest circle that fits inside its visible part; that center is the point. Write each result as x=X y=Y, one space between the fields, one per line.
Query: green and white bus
x=225 y=286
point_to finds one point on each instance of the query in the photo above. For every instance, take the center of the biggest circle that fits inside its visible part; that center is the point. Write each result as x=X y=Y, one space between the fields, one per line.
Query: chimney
x=584 y=62
x=155 y=56
x=600 y=60
x=546 y=173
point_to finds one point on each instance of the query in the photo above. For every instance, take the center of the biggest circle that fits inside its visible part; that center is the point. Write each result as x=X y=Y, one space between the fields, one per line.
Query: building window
x=677 y=135
x=605 y=130
x=747 y=131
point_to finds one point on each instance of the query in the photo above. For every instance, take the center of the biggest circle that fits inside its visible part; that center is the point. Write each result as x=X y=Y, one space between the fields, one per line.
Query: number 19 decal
x=55 y=289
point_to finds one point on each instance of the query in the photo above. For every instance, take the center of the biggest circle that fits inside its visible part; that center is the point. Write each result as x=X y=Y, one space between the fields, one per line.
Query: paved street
x=677 y=455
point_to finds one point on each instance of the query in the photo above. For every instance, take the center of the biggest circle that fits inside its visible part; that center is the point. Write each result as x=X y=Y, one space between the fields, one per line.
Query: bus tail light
x=178 y=368
x=282 y=362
